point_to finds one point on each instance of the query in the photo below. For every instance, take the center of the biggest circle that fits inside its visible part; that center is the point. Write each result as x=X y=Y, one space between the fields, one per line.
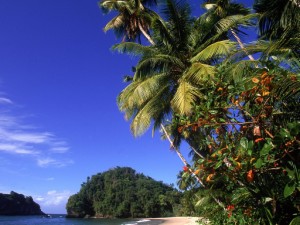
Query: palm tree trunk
x=241 y=44
x=201 y=156
x=171 y=142
x=186 y=164
x=179 y=154
x=147 y=36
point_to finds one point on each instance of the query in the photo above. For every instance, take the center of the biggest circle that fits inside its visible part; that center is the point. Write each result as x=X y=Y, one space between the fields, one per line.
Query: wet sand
x=176 y=220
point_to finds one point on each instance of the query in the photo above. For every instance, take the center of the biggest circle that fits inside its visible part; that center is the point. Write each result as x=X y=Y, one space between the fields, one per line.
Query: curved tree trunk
x=147 y=36
x=241 y=44
x=186 y=164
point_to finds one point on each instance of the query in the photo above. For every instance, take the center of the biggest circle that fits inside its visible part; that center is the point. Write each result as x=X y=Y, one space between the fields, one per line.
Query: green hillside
x=17 y=204
x=123 y=193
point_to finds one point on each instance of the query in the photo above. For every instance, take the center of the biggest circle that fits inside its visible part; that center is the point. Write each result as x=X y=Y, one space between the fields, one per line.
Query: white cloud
x=61 y=149
x=16 y=148
x=47 y=162
x=36 y=138
x=25 y=139
x=5 y=101
x=54 y=198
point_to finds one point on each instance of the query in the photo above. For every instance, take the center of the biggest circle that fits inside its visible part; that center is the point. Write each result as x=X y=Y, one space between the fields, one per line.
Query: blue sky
x=59 y=122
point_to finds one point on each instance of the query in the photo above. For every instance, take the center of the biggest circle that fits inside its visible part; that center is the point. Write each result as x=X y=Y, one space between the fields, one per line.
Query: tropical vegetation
x=15 y=204
x=235 y=104
x=121 y=192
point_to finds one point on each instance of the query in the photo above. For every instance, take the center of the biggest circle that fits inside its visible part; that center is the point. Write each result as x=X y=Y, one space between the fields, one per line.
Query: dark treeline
x=123 y=193
x=17 y=204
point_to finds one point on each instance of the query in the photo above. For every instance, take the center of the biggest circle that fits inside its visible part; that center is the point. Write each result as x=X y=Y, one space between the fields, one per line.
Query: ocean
x=61 y=220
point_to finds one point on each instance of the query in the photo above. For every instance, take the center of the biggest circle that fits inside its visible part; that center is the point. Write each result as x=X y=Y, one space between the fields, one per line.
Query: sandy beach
x=177 y=220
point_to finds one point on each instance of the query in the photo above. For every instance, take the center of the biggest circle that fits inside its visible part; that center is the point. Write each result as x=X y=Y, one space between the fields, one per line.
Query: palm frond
x=240 y=195
x=126 y=102
x=237 y=71
x=161 y=33
x=109 y=5
x=114 y=23
x=133 y=48
x=177 y=13
x=148 y=88
x=218 y=49
x=277 y=17
x=142 y=120
x=203 y=201
x=288 y=90
x=287 y=95
x=157 y=63
x=229 y=22
x=198 y=73
x=186 y=94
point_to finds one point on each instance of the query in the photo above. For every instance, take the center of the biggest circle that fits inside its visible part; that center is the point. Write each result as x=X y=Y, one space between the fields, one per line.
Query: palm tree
x=133 y=18
x=279 y=24
x=277 y=17
x=230 y=16
x=171 y=76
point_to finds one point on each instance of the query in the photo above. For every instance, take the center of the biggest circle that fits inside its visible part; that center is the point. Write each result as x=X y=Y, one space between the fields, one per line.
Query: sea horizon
x=61 y=219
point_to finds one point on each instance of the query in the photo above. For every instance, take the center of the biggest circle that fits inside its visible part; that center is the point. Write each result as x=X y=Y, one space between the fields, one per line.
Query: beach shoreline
x=176 y=220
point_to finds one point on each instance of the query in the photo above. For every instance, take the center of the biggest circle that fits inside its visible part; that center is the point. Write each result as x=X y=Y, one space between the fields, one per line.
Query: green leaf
x=249 y=152
x=218 y=164
x=250 y=145
x=266 y=148
x=284 y=133
x=213 y=112
x=294 y=128
x=258 y=163
x=289 y=189
x=220 y=48
x=291 y=173
x=295 y=221
x=222 y=120
x=244 y=143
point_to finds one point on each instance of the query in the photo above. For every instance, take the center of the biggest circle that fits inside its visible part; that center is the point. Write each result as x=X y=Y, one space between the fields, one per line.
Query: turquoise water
x=61 y=220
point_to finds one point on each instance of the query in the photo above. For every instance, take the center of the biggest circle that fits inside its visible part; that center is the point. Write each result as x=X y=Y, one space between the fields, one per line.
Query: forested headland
x=123 y=193
x=15 y=204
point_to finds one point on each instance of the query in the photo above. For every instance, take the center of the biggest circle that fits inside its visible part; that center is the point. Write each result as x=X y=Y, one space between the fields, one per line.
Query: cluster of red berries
x=230 y=208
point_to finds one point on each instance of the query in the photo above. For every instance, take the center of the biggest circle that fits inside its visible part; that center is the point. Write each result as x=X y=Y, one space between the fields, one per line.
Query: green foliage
x=123 y=193
x=241 y=118
x=252 y=150
x=17 y=204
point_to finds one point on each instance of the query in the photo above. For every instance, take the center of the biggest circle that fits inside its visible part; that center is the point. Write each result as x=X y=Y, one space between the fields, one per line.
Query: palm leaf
x=152 y=109
x=133 y=48
x=240 y=195
x=126 y=102
x=218 y=49
x=116 y=22
x=157 y=63
x=148 y=88
x=198 y=73
x=184 y=98
x=178 y=15
x=233 y=21
x=238 y=70
x=161 y=33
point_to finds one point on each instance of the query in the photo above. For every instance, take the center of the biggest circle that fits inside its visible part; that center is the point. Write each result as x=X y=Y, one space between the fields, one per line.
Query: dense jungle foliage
x=15 y=204
x=123 y=193
x=200 y=80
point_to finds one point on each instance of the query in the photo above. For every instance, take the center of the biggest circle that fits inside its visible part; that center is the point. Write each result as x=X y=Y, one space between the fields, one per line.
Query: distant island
x=123 y=193
x=15 y=204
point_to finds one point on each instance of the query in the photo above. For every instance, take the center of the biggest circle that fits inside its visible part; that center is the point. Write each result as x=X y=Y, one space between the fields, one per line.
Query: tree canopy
x=240 y=117
x=122 y=193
